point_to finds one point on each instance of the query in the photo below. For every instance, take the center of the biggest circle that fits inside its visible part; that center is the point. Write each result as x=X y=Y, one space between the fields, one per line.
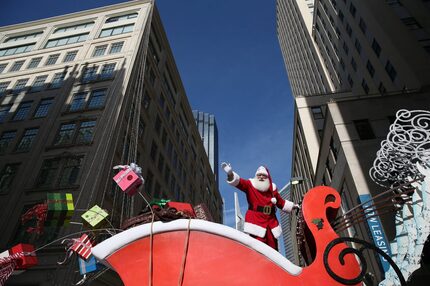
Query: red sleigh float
x=198 y=252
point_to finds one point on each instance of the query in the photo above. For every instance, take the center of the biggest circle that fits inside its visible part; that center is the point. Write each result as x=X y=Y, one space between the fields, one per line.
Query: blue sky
x=231 y=66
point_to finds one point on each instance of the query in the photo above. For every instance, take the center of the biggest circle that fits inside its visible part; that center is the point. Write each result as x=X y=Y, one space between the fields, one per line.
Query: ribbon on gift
x=159 y=202
x=128 y=168
x=38 y=211
x=81 y=245
x=8 y=265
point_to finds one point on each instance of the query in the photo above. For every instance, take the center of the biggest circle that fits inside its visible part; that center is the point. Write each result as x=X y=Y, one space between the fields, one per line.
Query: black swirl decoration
x=359 y=253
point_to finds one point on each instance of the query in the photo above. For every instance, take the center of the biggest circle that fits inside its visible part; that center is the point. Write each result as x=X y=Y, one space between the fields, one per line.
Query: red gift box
x=202 y=212
x=82 y=246
x=128 y=181
x=186 y=208
x=28 y=260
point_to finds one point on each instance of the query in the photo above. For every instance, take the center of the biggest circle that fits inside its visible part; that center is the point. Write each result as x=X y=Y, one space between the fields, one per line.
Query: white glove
x=227 y=168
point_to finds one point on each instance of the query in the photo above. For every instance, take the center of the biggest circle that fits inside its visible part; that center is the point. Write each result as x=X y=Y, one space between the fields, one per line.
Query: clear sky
x=229 y=59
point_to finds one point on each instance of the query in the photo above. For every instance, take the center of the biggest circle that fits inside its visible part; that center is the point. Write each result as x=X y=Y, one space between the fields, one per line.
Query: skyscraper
x=375 y=57
x=79 y=94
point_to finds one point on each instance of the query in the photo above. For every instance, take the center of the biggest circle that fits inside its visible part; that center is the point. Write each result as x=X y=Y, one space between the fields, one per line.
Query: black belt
x=268 y=210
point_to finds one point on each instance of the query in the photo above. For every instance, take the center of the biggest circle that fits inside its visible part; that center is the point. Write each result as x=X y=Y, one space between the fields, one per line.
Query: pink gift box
x=128 y=181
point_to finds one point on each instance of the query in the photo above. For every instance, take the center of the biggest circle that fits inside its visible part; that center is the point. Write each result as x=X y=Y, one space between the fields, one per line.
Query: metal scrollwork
x=359 y=254
x=407 y=143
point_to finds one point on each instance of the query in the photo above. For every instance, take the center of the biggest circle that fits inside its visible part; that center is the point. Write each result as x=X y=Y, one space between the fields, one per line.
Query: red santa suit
x=261 y=214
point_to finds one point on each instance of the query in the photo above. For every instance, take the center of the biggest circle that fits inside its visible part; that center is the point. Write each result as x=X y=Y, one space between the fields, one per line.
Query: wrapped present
x=202 y=212
x=185 y=208
x=159 y=202
x=95 y=216
x=82 y=246
x=129 y=179
x=88 y=266
x=60 y=209
x=39 y=212
x=28 y=258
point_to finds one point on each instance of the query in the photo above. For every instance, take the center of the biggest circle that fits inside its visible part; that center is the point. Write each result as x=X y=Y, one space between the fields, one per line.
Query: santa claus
x=263 y=198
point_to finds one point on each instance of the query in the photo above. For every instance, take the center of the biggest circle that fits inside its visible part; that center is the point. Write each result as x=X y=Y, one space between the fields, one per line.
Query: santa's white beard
x=262 y=186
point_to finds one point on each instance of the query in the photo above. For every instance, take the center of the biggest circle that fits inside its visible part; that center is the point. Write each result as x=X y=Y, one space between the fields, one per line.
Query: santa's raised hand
x=227 y=168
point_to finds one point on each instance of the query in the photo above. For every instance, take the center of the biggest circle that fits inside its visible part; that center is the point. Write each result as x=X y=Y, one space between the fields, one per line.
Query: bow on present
x=40 y=212
x=9 y=263
x=82 y=246
x=159 y=202
x=128 y=168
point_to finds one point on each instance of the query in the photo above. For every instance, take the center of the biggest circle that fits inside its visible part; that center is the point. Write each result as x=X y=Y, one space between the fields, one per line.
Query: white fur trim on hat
x=254 y=229
x=277 y=231
x=261 y=170
x=288 y=206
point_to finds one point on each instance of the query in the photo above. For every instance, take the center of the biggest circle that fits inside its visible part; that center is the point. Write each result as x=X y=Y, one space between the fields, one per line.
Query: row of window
x=23 y=145
x=68 y=57
x=39 y=84
x=54 y=173
x=24 y=108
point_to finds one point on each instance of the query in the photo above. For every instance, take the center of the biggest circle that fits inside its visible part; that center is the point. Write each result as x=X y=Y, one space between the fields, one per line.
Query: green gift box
x=95 y=216
x=60 y=209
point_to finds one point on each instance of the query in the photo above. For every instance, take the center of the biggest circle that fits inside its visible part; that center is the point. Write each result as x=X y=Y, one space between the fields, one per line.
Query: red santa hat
x=264 y=171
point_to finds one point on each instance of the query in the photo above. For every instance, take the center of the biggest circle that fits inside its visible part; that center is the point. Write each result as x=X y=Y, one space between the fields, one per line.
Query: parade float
x=175 y=243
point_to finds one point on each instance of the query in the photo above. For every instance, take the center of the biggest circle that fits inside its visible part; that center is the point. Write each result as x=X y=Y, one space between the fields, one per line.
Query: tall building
x=286 y=225
x=375 y=55
x=209 y=133
x=79 y=94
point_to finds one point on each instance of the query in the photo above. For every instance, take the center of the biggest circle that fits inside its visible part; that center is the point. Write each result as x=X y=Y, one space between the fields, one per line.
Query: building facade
x=79 y=94
x=375 y=56
x=209 y=134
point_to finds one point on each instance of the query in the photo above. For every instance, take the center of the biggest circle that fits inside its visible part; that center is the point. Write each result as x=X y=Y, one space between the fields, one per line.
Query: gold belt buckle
x=267 y=210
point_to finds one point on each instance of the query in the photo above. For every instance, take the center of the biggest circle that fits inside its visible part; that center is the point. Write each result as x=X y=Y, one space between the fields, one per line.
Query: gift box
x=185 y=208
x=82 y=246
x=89 y=265
x=128 y=181
x=28 y=260
x=60 y=209
x=95 y=217
x=202 y=212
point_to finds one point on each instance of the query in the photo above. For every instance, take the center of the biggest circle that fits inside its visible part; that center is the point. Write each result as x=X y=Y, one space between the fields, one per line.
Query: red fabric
x=269 y=239
x=40 y=212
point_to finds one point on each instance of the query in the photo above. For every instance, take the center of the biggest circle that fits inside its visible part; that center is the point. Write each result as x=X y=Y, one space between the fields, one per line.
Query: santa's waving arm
x=232 y=178
x=285 y=205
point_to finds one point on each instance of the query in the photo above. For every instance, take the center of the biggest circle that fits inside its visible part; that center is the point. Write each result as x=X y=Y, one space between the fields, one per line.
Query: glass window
x=86 y=132
x=350 y=81
x=7 y=176
x=116 y=47
x=376 y=48
x=348 y=30
x=22 y=111
x=353 y=64
x=317 y=112
x=107 y=71
x=3 y=87
x=70 y=56
x=57 y=80
x=66 y=40
x=39 y=83
x=5 y=140
x=52 y=59
x=362 y=25
x=43 y=108
x=20 y=85
x=78 y=101
x=391 y=71
x=365 y=86
x=364 y=129
x=99 y=51
x=89 y=74
x=48 y=173
x=4 y=111
x=370 y=68
x=357 y=46
x=70 y=172
x=65 y=134
x=121 y=18
x=16 y=66
x=34 y=63
x=23 y=37
x=97 y=98
x=16 y=50
x=352 y=9
x=74 y=27
x=2 y=67
x=116 y=30
x=27 y=139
